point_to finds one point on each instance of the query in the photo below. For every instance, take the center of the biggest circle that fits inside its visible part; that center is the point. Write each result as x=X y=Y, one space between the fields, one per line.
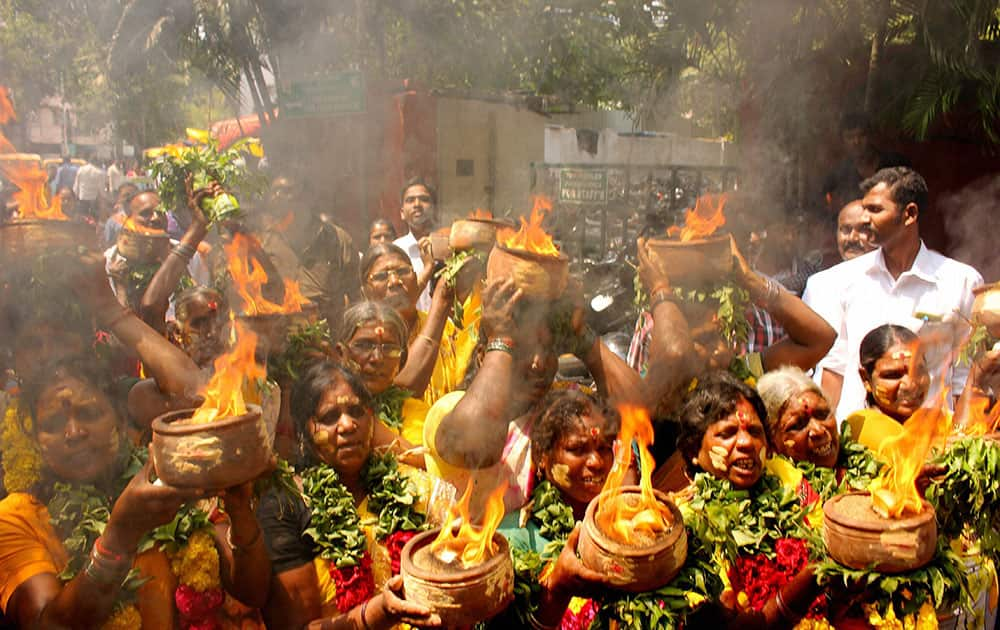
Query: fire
x=132 y=226
x=468 y=543
x=894 y=492
x=531 y=237
x=481 y=214
x=32 y=197
x=703 y=220
x=627 y=521
x=6 y=115
x=224 y=393
x=249 y=279
x=979 y=418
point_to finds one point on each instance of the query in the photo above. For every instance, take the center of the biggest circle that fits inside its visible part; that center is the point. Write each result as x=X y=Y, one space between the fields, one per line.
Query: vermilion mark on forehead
x=594 y=432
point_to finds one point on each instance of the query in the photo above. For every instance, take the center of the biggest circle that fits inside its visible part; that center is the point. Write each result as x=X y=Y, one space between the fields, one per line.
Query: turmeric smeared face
x=341 y=429
x=807 y=430
x=377 y=350
x=581 y=458
x=77 y=430
x=898 y=382
x=734 y=447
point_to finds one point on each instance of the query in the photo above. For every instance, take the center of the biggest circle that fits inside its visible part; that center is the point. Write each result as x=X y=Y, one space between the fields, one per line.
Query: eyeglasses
x=368 y=348
x=383 y=276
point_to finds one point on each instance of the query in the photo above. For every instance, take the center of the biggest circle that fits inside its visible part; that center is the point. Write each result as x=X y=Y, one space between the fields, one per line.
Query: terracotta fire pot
x=210 y=456
x=693 y=263
x=23 y=241
x=440 y=249
x=478 y=234
x=986 y=307
x=634 y=569
x=137 y=247
x=271 y=330
x=539 y=277
x=461 y=597
x=858 y=537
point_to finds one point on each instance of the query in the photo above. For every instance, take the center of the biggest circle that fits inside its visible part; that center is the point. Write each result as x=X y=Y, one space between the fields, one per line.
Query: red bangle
x=107 y=553
x=508 y=341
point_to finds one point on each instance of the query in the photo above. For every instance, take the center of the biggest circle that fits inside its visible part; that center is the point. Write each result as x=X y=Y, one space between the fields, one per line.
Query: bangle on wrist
x=428 y=339
x=770 y=295
x=534 y=622
x=501 y=344
x=659 y=297
x=364 y=619
x=784 y=610
x=184 y=251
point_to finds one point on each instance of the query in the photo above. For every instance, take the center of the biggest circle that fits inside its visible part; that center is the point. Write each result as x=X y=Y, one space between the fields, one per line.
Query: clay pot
x=460 y=597
x=440 y=248
x=22 y=242
x=858 y=537
x=137 y=247
x=478 y=234
x=271 y=330
x=692 y=263
x=986 y=307
x=634 y=569
x=539 y=277
x=210 y=456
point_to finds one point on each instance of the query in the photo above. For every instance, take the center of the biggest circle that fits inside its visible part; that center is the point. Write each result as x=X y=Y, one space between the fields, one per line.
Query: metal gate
x=601 y=209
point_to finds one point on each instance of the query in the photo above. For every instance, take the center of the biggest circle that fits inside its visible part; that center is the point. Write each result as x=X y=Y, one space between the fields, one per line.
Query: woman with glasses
x=387 y=276
x=372 y=342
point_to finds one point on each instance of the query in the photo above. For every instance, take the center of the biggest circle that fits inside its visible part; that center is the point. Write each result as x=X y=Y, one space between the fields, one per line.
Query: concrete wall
x=562 y=146
x=501 y=141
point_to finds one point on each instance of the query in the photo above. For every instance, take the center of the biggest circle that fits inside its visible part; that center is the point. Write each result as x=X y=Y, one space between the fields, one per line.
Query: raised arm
x=474 y=433
x=422 y=354
x=671 y=351
x=809 y=336
x=175 y=377
x=156 y=298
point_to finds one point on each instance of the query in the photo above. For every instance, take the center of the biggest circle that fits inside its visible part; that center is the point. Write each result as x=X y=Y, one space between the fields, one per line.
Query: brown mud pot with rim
x=212 y=455
x=137 y=247
x=692 y=263
x=539 y=277
x=272 y=329
x=460 y=596
x=24 y=241
x=858 y=537
x=633 y=568
x=478 y=234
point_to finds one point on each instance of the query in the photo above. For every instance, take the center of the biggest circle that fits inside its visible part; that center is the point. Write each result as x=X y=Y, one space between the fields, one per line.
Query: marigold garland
x=124 y=618
x=196 y=564
x=22 y=463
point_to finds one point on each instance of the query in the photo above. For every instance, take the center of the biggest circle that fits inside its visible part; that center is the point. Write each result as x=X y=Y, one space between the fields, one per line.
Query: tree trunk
x=875 y=57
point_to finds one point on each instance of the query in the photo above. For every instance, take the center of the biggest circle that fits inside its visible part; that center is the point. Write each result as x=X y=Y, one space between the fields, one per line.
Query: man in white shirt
x=417 y=212
x=89 y=183
x=902 y=283
x=822 y=291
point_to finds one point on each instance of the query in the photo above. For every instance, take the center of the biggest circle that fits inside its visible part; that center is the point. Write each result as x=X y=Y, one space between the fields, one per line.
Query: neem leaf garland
x=967 y=498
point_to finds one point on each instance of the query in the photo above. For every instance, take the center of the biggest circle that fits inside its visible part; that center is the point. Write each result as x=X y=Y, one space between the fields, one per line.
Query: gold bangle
x=428 y=339
x=244 y=547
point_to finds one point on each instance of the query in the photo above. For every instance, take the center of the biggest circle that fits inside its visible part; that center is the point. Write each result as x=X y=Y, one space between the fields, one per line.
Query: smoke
x=969 y=215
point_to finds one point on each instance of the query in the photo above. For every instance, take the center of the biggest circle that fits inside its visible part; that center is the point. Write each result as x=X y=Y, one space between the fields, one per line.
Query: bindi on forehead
x=901 y=354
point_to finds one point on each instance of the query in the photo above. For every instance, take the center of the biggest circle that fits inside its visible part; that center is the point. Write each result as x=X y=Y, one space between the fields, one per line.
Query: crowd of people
x=424 y=379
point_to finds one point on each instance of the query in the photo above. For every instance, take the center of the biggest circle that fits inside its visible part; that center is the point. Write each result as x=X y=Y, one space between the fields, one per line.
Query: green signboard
x=340 y=93
x=583 y=185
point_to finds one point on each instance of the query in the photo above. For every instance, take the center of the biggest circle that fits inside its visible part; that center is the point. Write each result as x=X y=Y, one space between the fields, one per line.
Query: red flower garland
x=355 y=585
x=197 y=610
x=395 y=543
x=760 y=577
x=580 y=620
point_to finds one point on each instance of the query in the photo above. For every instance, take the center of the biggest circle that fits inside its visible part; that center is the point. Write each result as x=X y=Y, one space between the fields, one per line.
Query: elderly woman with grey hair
x=801 y=422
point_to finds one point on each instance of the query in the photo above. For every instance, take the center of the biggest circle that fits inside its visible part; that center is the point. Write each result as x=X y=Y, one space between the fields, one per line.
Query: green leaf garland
x=389 y=406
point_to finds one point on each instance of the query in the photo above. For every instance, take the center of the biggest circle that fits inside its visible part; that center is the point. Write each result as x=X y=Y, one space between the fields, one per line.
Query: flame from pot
x=703 y=220
x=894 y=492
x=249 y=279
x=980 y=418
x=6 y=115
x=32 y=195
x=479 y=213
x=132 y=226
x=531 y=237
x=632 y=522
x=468 y=543
x=224 y=392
